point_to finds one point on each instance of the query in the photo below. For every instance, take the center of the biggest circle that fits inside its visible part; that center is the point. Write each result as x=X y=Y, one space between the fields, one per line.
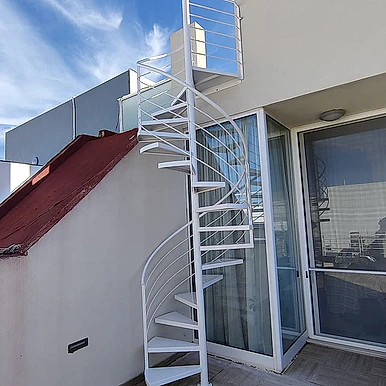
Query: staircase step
x=209 y=280
x=180 y=97
x=155 y=135
x=179 y=166
x=166 y=123
x=205 y=79
x=161 y=148
x=159 y=376
x=222 y=262
x=188 y=298
x=222 y=207
x=225 y=247
x=161 y=345
x=226 y=228
x=171 y=112
x=177 y=320
x=206 y=186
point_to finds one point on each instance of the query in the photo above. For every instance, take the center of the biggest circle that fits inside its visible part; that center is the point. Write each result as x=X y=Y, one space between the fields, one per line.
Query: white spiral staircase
x=198 y=138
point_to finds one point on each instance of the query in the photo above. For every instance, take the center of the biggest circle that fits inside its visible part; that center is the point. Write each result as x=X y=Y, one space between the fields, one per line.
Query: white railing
x=216 y=36
x=169 y=268
x=191 y=126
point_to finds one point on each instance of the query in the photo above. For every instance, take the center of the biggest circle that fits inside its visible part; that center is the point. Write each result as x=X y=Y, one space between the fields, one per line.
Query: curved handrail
x=220 y=154
x=216 y=107
x=143 y=63
x=201 y=96
x=161 y=56
x=149 y=260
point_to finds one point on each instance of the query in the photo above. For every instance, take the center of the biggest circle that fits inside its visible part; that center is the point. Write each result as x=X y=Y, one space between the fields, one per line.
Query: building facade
x=73 y=242
x=41 y=138
x=303 y=90
x=311 y=107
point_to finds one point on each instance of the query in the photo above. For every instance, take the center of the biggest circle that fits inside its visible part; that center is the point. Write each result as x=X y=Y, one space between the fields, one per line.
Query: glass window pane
x=346 y=180
x=352 y=305
x=346 y=169
x=287 y=252
x=237 y=307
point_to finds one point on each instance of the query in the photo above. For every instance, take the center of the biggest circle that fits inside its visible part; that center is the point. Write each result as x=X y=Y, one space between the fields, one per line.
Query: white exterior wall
x=5 y=180
x=13 y=175
x=297 y=47
x=82 y=279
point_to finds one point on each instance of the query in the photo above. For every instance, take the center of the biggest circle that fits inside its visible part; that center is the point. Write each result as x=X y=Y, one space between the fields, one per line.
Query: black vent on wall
x=72 y=347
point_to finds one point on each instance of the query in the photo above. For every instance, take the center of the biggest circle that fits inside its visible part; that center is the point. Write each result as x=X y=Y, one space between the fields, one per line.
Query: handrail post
x=144 y=325
x=190 y=99
x=239 y=43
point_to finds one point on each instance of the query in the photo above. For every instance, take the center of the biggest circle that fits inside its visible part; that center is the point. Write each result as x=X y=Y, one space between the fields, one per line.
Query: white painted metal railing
x=222 y=39
x=179 y=121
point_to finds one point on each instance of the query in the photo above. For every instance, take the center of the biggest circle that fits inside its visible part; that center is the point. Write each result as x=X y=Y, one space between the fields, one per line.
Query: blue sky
x=51 y=50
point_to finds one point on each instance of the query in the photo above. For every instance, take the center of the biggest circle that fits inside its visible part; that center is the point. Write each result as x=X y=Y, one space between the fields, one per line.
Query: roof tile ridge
x=34 y=181
x=80 y=193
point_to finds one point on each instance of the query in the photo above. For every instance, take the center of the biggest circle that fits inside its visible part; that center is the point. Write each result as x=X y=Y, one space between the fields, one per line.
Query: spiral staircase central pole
x=194 y=196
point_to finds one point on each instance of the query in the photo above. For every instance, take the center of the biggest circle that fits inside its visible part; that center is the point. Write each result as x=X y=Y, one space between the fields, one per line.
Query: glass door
x=290 y=296
x=237 y=307
x=256 y=312
x=345 y=188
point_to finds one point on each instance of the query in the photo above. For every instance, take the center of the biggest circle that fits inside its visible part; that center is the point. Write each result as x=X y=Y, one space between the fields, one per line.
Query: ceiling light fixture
x=332 y=115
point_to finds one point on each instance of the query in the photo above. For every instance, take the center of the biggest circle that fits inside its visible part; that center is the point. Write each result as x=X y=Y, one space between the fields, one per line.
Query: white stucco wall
x=5 y=180
x=12 y=175
x=82 y=279
x=297 y=47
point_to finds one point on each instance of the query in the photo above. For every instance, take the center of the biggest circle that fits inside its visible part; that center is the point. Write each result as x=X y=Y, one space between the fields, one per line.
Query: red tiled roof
x=34 y=208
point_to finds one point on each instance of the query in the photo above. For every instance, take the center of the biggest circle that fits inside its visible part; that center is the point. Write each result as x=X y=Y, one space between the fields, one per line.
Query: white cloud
x=84 y=13
x=157 y=40
x=108 y=54
x=34 y=77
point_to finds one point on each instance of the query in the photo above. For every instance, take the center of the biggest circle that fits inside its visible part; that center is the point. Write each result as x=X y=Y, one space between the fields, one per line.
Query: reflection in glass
x=352 y=305
x=291 y=302
x=346 y=173
x=237 y=307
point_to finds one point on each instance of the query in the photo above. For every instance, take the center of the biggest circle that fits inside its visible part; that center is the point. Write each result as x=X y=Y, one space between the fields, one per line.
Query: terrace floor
x=315 y=365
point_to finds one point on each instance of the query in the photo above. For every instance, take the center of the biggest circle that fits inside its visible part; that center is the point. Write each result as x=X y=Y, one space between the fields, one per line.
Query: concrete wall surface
x=298 y=47
x=5 y=180
x=42 y=137
x=82 y=279
x=45 y=135
x=97 y=108
x=12 y=175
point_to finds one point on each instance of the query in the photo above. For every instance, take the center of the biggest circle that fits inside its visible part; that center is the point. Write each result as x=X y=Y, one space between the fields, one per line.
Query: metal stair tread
x=155 y=135
x=166 y=345
x=213 y=72
x=205 y=79
x=209 y=280
x=179 y=166
x=179 y=98
x=224 y=247
x=159 y=376
x=177 y=320
x=205 y=186
x=164 y=122
x=162 y=148
x=225 y=228
x=222 y=262
x=222 y=207
x=187 y=298
x=170 y=112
